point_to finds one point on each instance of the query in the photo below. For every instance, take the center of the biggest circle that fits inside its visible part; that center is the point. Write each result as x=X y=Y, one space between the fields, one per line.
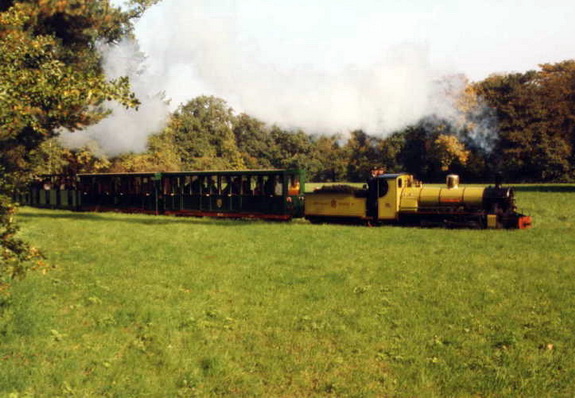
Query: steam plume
x=196 y=48
x=125 y=130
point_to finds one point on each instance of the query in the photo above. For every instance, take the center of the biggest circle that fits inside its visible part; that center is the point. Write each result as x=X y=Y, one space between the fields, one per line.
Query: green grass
x=162 y=307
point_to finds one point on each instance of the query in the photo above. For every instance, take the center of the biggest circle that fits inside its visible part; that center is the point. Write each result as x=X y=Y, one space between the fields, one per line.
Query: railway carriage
x=275 y=194
x=51 y=191
x=130 y=193
x=267 y=194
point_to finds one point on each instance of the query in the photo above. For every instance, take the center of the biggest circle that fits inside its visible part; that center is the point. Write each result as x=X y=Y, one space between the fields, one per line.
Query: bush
x=17 y=257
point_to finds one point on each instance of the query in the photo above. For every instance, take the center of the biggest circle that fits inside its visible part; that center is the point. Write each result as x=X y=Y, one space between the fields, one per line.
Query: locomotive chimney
x=452 y=181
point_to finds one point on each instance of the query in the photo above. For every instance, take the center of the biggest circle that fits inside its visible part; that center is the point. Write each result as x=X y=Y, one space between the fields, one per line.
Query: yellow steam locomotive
x=400 y=199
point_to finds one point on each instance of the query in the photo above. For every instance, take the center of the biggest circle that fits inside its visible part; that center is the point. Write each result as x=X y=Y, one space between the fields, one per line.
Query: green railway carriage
x=275 y=194
x=268 y=194
x=124 y=192
x=50 y=191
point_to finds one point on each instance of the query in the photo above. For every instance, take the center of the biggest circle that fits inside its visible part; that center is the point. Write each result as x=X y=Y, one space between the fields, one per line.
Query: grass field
x=143 y=306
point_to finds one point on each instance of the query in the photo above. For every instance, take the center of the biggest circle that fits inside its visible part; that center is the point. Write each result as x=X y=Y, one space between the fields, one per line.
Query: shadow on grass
x=149 y=220
x=545 y=188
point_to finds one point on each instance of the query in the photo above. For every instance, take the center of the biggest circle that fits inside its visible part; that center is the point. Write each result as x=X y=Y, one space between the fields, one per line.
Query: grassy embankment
x=154 y=306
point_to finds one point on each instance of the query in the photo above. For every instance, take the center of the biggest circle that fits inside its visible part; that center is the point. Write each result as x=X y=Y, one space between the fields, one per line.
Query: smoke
x=201 y=48
x=196 y=48
x=125 y=130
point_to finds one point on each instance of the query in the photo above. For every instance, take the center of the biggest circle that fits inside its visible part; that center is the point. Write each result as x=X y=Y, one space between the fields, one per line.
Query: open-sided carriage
x=269 y=194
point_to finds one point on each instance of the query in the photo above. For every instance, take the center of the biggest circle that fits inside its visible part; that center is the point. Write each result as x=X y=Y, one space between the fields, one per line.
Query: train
x=279 y=194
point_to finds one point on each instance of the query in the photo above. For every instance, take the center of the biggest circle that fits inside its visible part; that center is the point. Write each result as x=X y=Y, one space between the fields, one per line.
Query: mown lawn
x=141 y=306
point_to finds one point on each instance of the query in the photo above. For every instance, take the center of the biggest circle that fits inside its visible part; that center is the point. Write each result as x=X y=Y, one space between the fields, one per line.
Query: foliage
x=536 y=115
x=331 y=158
x=50 y=73
x=255 y=142
x=363 y=155
x=17 y=256
x=51 y=78
x=447 y=149
x=201 y=137
x=52 y=158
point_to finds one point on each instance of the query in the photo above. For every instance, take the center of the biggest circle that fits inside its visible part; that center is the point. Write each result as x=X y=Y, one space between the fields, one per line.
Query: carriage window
x=195 y=185
x=257 y=184
x=278 y=186
x=105 y=185
x=147 y=185
x=294 y=187
x=176 y=185
x=209 y=185
x=166 y=186
x=269 y=185
x=235 y=185
x=137 y=185
x=247 y=188
x=116 y=185
x=204 y=184
x=225 y=187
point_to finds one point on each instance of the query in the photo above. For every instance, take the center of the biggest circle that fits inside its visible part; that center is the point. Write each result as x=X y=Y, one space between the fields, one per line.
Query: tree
x=447 y=150
x=201 y=132
x=536 y=120
x=363 y=154
x=331 y=159
x=255 y=142
x=390 y=149
x=50 y=72
x=51 y=78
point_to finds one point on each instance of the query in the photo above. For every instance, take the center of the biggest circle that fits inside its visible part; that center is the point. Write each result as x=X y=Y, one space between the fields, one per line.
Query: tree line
x=521 y=125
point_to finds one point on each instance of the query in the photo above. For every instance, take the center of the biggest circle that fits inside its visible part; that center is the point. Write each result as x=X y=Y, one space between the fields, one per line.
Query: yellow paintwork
x=409 y=200
x=491 y=221
x=405 y=196
x=387 y=205
x=335 y=205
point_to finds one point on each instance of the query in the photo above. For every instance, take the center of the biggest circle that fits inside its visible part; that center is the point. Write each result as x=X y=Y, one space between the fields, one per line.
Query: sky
x=475 y=38
x=331 y=66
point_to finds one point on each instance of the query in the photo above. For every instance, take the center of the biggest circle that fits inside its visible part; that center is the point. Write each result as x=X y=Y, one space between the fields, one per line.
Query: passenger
x=294 y=187
x=212 y=186
x=278 y=191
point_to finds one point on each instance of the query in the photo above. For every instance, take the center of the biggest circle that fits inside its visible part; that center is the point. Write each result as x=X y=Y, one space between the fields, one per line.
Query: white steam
x=199 y=48
x=125 y=130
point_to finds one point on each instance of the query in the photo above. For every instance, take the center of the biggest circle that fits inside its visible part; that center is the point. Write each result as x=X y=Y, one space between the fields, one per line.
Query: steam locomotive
x=400 y=199
x=279 y=195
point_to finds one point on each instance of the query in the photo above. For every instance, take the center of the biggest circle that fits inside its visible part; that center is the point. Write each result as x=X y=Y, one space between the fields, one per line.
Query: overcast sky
x=476 y=38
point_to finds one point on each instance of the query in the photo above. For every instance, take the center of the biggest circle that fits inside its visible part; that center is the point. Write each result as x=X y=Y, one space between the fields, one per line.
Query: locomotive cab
x=385 y=194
